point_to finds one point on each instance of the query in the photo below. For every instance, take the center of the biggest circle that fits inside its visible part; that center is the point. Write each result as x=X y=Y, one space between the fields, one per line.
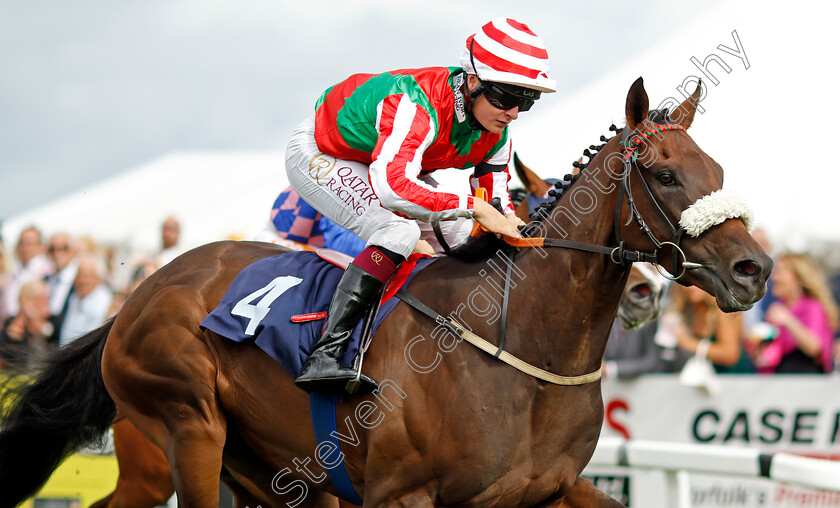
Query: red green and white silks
x=341 y=190
x=406 y=123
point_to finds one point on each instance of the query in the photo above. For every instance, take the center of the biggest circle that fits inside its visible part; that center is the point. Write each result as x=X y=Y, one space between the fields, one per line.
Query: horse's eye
x=667 y=178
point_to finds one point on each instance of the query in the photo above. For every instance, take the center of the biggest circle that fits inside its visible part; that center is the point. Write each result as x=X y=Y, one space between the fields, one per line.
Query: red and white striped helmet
x=507 y=51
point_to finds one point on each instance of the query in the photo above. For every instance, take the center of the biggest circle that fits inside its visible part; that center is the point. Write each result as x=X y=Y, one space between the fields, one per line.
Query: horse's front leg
x=583 y=494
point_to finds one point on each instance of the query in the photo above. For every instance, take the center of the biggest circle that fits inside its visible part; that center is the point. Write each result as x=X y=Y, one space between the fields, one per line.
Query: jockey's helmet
x=511 y=63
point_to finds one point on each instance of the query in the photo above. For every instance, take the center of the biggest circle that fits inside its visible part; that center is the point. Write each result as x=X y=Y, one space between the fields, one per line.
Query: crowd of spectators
x=792 y=330
x=53 y=292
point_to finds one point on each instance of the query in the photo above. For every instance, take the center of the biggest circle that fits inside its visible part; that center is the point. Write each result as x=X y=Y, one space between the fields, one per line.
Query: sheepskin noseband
x=713 y=209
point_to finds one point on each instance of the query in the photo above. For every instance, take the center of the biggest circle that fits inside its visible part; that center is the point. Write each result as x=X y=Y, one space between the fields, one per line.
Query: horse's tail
x=64 y=407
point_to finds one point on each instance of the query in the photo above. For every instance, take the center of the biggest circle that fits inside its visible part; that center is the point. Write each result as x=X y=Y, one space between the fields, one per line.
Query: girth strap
x=322 y=409
x=453 y=326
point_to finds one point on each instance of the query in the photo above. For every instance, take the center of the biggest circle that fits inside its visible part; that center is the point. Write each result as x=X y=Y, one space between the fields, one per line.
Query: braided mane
x=659 y=116
x=482 y=247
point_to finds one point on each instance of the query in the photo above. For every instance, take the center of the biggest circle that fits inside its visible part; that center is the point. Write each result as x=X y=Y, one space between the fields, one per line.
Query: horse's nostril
x=642 y=289
x=748 y=268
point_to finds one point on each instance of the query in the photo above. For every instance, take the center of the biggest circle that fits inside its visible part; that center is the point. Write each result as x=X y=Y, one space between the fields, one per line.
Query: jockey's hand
x=492 y=220
x=424 y=247
x=516 y=221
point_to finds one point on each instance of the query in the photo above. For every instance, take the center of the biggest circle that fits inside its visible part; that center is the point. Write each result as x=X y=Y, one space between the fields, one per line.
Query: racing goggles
x=506 y=97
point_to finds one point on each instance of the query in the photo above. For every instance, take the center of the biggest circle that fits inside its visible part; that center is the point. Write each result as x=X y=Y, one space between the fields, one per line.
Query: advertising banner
x=794 y=414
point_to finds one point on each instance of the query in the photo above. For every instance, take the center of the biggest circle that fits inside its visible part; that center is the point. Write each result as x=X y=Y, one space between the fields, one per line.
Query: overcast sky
x=91 y=88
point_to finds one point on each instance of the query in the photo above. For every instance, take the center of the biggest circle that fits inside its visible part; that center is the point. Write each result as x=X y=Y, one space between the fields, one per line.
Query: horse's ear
x=533 y=183
x=684 y=114
x=637 y=104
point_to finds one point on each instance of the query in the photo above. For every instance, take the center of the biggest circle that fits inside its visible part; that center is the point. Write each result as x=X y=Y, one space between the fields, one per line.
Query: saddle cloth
x=259 y=305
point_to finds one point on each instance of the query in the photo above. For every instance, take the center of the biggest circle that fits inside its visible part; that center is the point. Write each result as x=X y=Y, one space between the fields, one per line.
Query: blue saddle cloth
x=262 y=299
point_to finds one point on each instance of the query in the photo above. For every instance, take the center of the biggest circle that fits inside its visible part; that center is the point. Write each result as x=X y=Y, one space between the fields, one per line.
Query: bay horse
x=468 y=430
x=145 y=480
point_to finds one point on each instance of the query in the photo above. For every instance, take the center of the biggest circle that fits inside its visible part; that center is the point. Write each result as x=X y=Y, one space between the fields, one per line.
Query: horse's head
x=673 y=189
x=641 y=301
x=642 y=297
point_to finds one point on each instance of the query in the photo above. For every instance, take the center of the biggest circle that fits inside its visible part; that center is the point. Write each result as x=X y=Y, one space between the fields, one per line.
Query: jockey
x=365 y=160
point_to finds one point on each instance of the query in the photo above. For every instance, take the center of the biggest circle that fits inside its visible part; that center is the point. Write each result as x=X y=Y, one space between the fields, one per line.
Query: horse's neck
x=578 y=291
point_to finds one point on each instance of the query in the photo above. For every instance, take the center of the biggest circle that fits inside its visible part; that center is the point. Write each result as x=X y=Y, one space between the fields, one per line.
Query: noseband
x=630 y=144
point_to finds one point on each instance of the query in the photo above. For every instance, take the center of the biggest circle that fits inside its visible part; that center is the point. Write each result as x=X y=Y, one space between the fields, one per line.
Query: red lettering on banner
x=797 y=496
x=612 y=407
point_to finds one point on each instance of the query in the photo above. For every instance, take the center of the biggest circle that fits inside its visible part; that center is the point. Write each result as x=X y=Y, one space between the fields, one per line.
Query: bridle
x=630 y=144
x=621 y=255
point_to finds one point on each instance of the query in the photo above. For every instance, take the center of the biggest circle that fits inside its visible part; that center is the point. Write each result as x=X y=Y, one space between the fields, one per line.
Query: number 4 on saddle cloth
x=279 y=304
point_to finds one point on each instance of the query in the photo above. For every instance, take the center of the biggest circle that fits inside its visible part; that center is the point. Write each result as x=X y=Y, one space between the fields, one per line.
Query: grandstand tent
x=214 y=195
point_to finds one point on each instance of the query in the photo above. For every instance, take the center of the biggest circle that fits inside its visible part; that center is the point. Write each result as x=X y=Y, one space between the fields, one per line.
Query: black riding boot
x=322 y=371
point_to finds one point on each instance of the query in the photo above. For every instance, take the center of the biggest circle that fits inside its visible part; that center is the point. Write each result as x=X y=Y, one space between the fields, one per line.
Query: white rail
x=679 y=459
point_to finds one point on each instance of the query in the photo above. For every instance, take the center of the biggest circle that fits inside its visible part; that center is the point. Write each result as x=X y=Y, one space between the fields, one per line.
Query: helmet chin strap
x=471 y=95
x=469 y=98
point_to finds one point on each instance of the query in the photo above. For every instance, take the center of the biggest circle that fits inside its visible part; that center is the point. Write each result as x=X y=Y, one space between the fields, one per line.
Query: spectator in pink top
x=806 y=317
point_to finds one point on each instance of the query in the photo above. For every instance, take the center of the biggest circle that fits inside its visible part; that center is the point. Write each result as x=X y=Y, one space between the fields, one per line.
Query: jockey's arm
x=405 y=131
